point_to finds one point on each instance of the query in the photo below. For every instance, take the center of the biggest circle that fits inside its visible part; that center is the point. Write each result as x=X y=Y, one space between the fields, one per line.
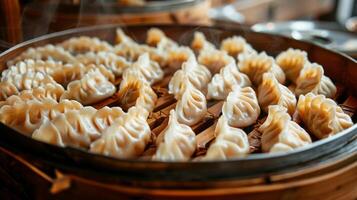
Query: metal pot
x=327 y=34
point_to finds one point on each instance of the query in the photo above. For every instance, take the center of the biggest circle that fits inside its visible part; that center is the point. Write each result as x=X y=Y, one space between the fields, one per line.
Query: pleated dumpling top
x=177 y=142
x=280 y=133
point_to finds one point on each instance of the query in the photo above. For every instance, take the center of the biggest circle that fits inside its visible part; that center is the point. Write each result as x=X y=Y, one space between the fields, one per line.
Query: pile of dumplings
x=49 y=93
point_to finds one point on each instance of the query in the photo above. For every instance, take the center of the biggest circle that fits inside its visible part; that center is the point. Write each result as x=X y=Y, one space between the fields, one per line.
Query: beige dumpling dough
x=214 y=59
x=271 y=92
x=255 y=65
x=177 y=142
x=292 y=62
x=47 y=52
x=223 y=83
x=48 y=91
x=73 y=128
x=145 y=69
x=230 y=142
x=197 y=75
x=321 y=115
x=114 y=63
x=192 y=106
x=241 y=108
x=280 y=134
x=132 y=89
x=236 y=45
x=126 y=138
x=92 y=88
x=84 y=44
x=18 y=82
x=200 y=43
x=312 y=79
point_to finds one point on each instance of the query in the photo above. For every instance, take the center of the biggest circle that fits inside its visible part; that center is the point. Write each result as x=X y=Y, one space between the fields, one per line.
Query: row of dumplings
x=88 y=67
x=234 y=84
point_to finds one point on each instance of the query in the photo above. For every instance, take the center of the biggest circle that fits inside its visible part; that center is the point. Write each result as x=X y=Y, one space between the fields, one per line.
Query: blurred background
x=332 y=23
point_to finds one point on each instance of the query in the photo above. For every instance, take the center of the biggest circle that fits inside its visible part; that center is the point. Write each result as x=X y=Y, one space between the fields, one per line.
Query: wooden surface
x=11 y=19
x=335 y=180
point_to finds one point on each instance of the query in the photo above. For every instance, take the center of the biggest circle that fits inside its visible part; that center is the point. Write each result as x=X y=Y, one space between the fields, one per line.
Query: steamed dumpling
x=192 y=105
x=312 y=79
x=84 y=44
x=28 y=115
x=230 y=142
x=92 y=88
x=309 y=78
x=134 y=91
x=18 y=82
x=63 y=106
x=255 y=65
x=146 y=69
x=197 y=75
x=131 y=50
x=280 y=134
x=116 y=64
x=236 y=45
x=126 y=138
x=325 y=87
x=48 y=91
x=177 y=142
x=73 y=128
x=106 y=116
x=121 y=37
x=291 y=62
x=321 y=115
x=22 y=67
x=200 y=43
x=214 y=59
x=241 y=107
x=271 y=92
x=156 y=36
x=223 y=83
x=79 y=127
x=177 y=56
x=48 y=52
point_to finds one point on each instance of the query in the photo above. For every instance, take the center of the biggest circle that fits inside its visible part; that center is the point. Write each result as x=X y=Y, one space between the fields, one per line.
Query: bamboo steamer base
x=334 y=178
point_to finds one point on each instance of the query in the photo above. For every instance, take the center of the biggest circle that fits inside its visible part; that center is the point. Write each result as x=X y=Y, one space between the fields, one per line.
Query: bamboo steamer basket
x=326 y=169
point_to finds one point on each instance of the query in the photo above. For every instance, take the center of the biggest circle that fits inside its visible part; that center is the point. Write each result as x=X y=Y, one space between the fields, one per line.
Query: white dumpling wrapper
x=230 y=142
x=47 y=52
x=84 y=44
x=223 y=83
x=271 y=92
x=241 y=107
x=18 y=82
x=236 y=45
x=177 y=142
x=192 y=106
x=292 y=61
x=116 y=64
x=321 y=115
x=126 y=138
x=279 y=133
x=48 y=91
x=255 y=65
x=197 y=75
x=72 y=128
x=92 y=88
x=146 y=69
x=200 y=43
